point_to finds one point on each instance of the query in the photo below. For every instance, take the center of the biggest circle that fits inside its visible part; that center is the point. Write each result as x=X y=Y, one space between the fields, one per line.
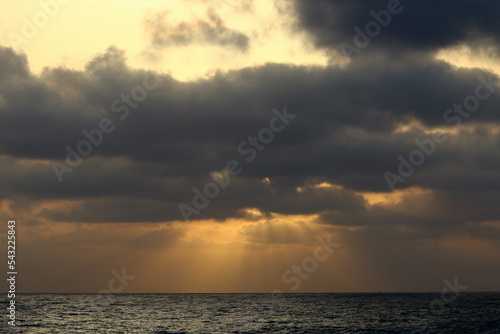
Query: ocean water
x=255 y=313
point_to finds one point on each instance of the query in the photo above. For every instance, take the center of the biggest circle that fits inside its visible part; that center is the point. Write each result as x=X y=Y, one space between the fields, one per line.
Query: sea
x=468 y=312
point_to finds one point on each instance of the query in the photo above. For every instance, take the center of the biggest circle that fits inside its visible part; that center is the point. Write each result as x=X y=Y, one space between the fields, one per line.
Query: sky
x=251 y=146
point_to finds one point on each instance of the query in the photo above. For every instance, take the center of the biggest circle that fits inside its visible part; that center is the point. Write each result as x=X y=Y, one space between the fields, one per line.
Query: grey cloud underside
x=344 y=133
x=213 y=30
x=421 y=25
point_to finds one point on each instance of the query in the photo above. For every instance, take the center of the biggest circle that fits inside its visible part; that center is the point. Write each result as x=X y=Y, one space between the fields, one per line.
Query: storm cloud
x=420 y=26
x=347 y=133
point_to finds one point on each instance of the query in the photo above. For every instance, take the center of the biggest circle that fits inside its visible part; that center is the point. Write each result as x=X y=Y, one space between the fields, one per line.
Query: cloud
x=223 y=5
x=418 y=25
x=212 y=31
x=352 y=124
x=418 y=216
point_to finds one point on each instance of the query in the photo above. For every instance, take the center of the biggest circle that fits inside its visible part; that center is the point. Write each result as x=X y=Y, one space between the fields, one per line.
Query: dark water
x=256 y=313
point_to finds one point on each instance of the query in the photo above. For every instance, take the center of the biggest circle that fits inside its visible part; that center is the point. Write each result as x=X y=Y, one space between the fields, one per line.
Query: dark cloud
x=347 y=132
x=212 y=31
x=14 y=65
x=419 y=216
x=416 y=25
